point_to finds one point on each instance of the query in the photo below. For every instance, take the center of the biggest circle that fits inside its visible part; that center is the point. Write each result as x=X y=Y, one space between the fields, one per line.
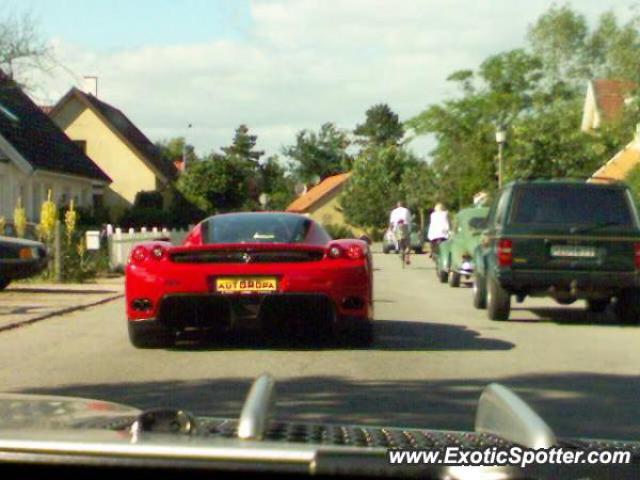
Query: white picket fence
x=122 y=242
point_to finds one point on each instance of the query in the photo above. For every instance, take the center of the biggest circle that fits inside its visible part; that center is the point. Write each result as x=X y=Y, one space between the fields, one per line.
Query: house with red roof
x=604 y=102
x=321 y=202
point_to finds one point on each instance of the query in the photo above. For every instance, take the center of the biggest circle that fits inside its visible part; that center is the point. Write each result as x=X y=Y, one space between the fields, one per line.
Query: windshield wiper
x=597 y=226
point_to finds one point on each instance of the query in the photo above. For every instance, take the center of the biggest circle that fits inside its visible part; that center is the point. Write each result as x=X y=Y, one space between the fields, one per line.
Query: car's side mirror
x=478 y=223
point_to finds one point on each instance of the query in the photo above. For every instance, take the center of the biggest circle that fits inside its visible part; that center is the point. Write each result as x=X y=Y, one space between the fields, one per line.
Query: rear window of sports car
x=256 y=228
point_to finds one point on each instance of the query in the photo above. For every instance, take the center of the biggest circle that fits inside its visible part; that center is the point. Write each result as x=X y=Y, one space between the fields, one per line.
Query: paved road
x=432 y=356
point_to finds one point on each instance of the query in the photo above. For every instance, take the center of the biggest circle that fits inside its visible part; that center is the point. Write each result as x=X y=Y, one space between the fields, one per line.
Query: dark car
x=20 y=258
x=568 y=240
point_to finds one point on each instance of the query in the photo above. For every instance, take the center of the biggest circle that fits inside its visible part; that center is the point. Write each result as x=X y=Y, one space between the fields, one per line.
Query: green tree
x=175 y=148
x=376 y=185
x=320 y=154
x=381 y=127
x=243 y=146
x=217 y=184
x=276 y=184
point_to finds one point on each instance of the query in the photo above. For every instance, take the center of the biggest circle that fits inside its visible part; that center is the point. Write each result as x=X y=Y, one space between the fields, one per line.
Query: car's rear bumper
x=188 y=293
x=570 y=280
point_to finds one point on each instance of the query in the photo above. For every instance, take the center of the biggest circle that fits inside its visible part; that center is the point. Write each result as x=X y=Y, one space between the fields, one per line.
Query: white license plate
x=573 y=251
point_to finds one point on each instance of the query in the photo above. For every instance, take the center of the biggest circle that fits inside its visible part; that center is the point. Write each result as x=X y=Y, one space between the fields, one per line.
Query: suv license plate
x=573 y=251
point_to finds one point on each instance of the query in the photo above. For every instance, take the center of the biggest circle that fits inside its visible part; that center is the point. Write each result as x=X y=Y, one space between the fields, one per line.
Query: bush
x=137 y=217
x=150 y=200
x=339 y=231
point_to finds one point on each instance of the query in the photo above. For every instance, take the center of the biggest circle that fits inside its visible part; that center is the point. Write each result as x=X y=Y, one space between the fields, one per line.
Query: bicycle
x=403 y=251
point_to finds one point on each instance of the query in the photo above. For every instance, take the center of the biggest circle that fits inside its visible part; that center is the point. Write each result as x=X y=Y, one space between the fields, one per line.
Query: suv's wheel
x=454 y=279
x=4 y=282
x=498 y=300
x=479 y=292
x=598 y=305
x=418 y=250
x=386 y=249
x=628 y=307
x=150 y=336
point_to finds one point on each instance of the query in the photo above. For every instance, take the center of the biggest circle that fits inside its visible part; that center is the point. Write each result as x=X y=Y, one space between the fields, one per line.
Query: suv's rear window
x=571 y=204
x=257 y=228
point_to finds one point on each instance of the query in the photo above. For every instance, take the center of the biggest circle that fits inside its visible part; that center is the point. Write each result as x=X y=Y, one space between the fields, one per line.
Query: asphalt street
x=432 y=356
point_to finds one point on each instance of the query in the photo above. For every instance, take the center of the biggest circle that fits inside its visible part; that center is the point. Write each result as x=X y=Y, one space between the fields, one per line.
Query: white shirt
x=400 y=213
x=439 y=225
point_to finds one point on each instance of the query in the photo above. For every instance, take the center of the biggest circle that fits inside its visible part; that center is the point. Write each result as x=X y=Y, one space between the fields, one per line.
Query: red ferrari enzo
x=278 y=272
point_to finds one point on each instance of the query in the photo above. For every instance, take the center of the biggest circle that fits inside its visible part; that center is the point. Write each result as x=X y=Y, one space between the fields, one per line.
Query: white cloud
x=303 y=63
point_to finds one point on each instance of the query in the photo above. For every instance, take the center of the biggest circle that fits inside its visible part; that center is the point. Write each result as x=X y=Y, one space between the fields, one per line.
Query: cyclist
x=402 y=235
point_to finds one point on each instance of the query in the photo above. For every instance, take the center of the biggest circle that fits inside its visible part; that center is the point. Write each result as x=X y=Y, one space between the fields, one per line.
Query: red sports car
x=279 y=272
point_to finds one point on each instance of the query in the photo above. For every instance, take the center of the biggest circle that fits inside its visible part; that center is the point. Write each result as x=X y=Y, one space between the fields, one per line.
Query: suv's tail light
x=505 y=252
x=636 y=248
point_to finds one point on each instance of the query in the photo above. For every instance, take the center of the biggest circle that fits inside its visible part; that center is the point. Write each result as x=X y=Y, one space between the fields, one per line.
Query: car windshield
x=257 y=228
x=571 y=205
x=211 y=191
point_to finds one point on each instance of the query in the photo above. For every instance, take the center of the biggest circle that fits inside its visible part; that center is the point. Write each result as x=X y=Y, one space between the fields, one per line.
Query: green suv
x=563 y=239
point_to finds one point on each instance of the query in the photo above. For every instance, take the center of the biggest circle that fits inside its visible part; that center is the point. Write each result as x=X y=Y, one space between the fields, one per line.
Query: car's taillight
x=505 y=252
x=355 y=252
x=139 y=254
x=636 y=248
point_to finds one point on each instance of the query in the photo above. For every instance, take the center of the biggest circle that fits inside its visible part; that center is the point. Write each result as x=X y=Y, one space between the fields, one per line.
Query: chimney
x=90 y=85
x=179 y=163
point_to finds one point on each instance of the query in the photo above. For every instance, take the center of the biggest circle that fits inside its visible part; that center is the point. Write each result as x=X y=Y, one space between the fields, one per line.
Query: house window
x=81 y=144
x=97 y=200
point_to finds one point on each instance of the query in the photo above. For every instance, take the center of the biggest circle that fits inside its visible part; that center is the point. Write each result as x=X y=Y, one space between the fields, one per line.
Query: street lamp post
x=501 y=138
x=184 y=148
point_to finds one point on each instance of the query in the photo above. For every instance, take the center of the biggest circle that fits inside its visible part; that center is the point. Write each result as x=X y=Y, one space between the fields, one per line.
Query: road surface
x=432 y=356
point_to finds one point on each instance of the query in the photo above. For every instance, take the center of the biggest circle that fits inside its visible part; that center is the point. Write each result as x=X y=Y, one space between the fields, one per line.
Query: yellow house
x=321 y=202
x=116 y=145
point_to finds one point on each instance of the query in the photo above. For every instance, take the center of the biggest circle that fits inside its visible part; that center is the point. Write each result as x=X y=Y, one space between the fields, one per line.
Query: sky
x=278 y=66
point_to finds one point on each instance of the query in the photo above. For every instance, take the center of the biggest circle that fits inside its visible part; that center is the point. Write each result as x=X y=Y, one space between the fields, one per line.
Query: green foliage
x=218 y=184
x=150 y=199
x=376 y=185
x=381 y=127
x=538 y=92
x=320 y=154
x=338 y=231
x=243 y=146
x=276 y=184
x=137 y=217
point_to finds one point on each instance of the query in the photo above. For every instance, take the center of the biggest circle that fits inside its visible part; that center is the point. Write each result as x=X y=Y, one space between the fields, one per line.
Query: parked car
x=417 y=240
x=20 y=258
x=563 y=239
x=455 y=259
x=280 y=273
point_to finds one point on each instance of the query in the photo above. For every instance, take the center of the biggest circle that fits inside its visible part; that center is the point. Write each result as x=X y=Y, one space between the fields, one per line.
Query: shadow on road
x=390 y=335
x=574 y=404
x=569 y=316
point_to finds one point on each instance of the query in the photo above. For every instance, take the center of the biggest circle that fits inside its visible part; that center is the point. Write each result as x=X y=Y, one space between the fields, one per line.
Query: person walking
x=438 y=228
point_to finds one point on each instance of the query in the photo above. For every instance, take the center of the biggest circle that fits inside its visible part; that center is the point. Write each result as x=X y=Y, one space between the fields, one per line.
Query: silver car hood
x=44 y=412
